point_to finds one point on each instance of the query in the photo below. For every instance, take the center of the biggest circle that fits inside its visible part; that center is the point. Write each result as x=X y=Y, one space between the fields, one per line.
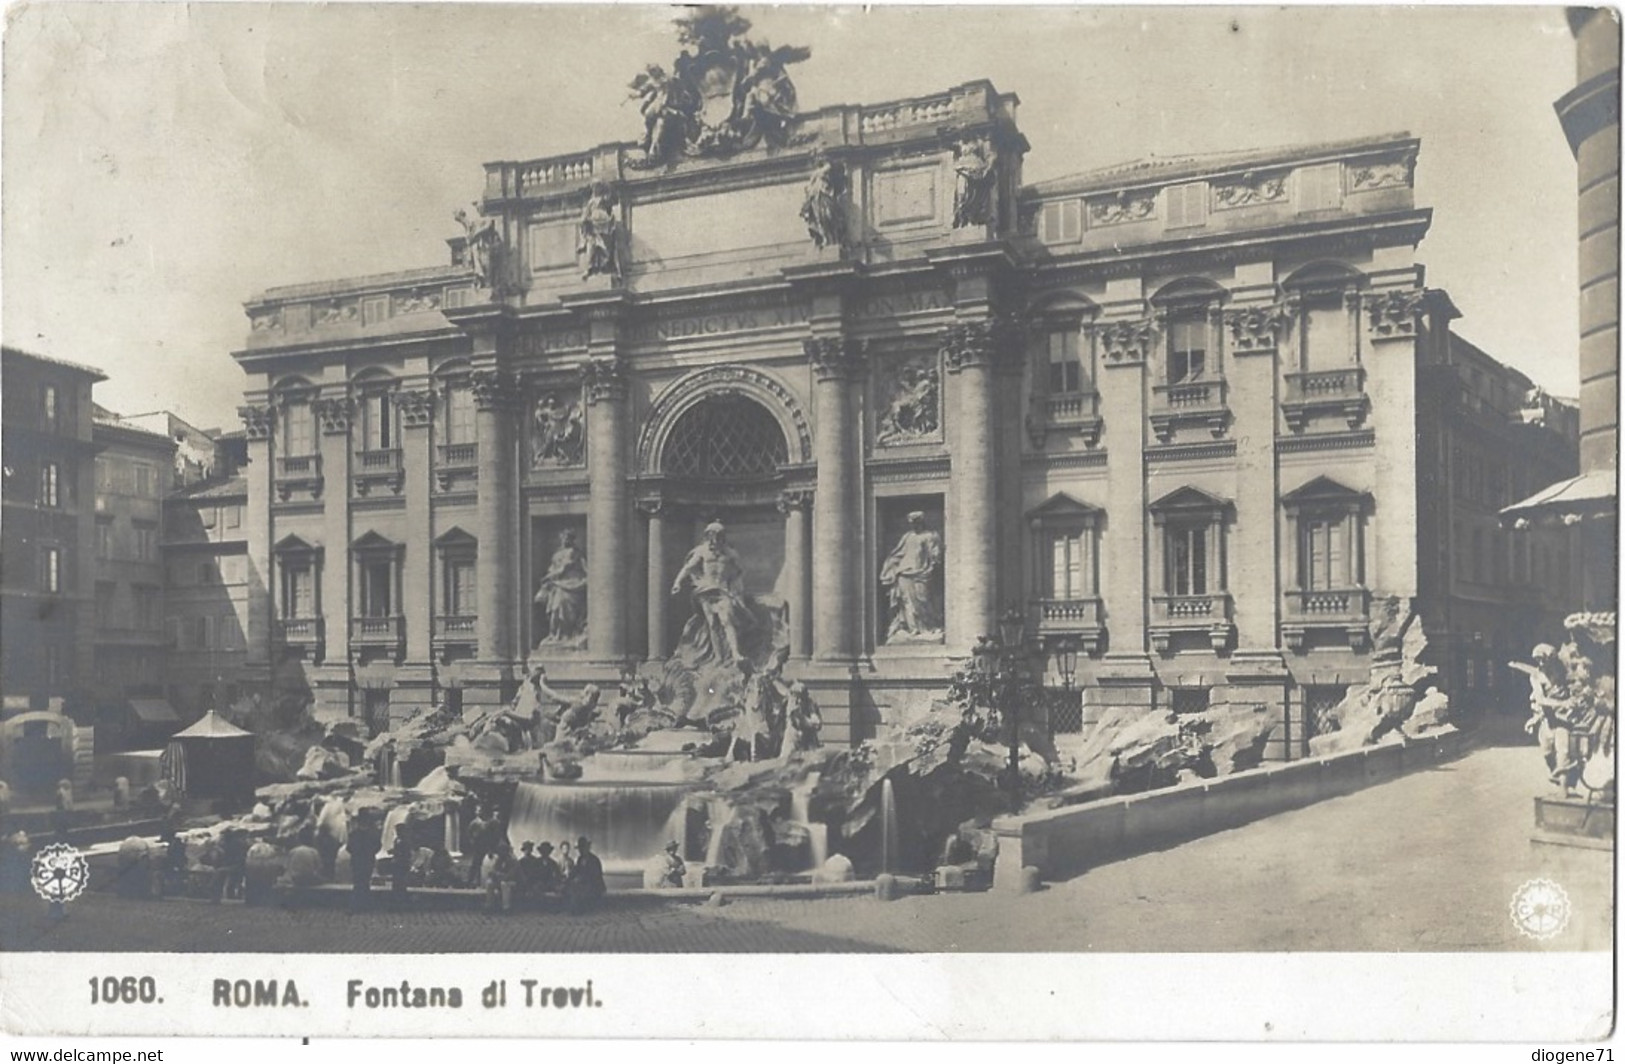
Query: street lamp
x=998 y=663
x=1064 y=652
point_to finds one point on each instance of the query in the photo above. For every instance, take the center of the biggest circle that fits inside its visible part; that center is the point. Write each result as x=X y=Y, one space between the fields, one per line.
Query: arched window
x=728 y=437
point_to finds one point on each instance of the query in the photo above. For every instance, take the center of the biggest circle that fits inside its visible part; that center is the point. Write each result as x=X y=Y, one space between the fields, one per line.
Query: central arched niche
x=720 y=461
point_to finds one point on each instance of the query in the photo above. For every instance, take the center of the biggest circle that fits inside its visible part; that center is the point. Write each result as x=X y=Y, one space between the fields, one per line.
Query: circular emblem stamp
x=59 y=873
x=1540 y=909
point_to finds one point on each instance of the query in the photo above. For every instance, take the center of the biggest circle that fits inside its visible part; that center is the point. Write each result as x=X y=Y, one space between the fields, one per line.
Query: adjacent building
x=1201 y=416
x=48 y=575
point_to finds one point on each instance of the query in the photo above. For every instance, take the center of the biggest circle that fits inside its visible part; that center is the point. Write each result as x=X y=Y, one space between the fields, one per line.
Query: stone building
x=206 y=593
x=48 y=528
x=1181 y=411
x=134 y=471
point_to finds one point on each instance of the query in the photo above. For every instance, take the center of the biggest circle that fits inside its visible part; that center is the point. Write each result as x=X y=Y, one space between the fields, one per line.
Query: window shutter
x=1061 y=222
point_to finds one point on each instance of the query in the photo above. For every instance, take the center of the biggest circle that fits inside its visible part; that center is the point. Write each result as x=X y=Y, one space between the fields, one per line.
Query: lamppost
x=1063 y=652
x=999 y=661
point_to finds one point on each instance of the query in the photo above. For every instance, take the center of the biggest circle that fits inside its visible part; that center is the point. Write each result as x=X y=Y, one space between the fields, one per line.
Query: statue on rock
x=911 y=575
x=562 y=594
x=722 y=616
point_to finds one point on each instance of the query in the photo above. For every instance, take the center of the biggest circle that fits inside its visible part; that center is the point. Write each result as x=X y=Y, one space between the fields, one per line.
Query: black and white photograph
x=627 y=510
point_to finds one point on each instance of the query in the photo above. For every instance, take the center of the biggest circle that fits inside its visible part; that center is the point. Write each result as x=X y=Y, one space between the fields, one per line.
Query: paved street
x=1427 y=862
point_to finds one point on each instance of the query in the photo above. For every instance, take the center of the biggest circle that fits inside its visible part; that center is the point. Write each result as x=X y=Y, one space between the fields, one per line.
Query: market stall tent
x=212 y=759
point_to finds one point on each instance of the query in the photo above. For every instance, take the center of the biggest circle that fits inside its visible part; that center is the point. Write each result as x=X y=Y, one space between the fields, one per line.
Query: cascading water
x=800 y=812
x=888 y=826
x=392 y=822
x=628 y=821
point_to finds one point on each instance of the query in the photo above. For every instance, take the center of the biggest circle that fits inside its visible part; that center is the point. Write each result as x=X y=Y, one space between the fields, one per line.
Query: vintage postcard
x=937 y=522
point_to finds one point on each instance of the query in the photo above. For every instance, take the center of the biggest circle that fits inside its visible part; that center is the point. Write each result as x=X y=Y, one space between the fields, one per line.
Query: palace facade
x=1201 y=416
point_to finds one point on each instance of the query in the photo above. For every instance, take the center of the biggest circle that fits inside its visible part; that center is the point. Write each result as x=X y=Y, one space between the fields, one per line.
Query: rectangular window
x=1187 y=561
x=457 y=297
x=377 y=587
x=459 y=587
x=51 y=570
x=104 y=600
x=1069 y=566
x=1062 y=222
x=380 y=422
x=1324 y=553
x=1320 y=188
x=145 y=480
x=1187 y=205
x=1184 y=700
x=234 y=515
x=207 y=515
x=459 y=414
x=50 y=485
x=1065 y=368
x=298 y=431
x=1187 y=350
x=50 y=411
x=298 y=590
x=104 y=538
x=1328 y=336
x=374 y=310
x=146 y=542
x=146 y=607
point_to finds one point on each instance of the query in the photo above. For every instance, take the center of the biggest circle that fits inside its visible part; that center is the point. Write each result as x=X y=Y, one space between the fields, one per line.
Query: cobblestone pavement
x=1426 y=862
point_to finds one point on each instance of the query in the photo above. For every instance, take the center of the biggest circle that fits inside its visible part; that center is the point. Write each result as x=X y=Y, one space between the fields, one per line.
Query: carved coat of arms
x=725 y=93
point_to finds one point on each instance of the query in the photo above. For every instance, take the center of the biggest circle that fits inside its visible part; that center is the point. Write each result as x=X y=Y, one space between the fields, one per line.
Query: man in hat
x=586 y=883
x=365 y=839
x=712 y=569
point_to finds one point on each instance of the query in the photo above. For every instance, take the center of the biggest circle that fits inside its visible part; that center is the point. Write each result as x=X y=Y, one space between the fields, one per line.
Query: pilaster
x=1260 y=678
x=416 y=409
x=796 y=506
x=1390 y=331
x=657 y=591
x=1254 y=567
x=496 y=398
x=1125 y=345
x=333 y=414
x=259 y=629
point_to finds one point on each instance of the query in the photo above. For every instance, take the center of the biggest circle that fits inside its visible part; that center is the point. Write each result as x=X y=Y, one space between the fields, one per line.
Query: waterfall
x=800 y=812
x=713 y=847
x=392 y=821
x=627 y=821
x=454 y=827
x=888 y=826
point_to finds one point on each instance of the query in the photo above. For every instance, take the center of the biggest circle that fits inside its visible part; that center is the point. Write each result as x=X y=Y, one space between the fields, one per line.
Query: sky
x=160 y=163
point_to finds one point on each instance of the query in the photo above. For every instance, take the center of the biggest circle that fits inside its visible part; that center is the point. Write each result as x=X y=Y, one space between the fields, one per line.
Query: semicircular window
x=725 y=438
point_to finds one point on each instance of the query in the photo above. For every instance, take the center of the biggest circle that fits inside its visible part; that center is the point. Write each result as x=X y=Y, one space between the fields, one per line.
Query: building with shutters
x=1201 y=416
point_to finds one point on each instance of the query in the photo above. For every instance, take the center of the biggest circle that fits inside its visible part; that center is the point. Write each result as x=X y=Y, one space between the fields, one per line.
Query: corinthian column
x=658 y=591
x=837 y=363
x=608 y=511
x=495 y=395
x=971 y=350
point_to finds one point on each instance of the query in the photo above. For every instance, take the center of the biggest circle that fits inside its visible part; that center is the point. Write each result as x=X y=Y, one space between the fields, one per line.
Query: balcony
x=1346 y=610
x=378 y=469
x=1207 y=614
x=455 y=462
x=387 y=634
x=1065 y=412
x=1077 y=617
x=455 y=630
x=1191 y=402
x=298 y=473
x=302 y=633
x=1339 y=392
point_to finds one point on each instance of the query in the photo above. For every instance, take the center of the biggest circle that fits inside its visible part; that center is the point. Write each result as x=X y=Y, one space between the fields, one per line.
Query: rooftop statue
x=480 y=237
x=822 y=206
x=725 y=93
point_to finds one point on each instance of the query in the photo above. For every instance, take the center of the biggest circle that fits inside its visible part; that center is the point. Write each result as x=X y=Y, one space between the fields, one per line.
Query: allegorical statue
x=717 y=580
x=911 y=576
x=557 y=435
x=598 y=234
x=973 y=192
x=479 y=240
x=764 y=96
x=562 y=593
x=821 y=205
